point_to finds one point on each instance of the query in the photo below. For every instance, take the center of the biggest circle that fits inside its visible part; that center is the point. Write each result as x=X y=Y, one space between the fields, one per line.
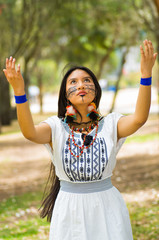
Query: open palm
x=14 y=76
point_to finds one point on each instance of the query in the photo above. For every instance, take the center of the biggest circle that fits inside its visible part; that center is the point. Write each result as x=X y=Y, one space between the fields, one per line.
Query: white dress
x=98 y=214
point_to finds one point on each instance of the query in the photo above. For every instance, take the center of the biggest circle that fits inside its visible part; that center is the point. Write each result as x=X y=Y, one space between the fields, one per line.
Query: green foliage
x=68 y=31
x=130 y=80
x=86 y=32
x=48 y=71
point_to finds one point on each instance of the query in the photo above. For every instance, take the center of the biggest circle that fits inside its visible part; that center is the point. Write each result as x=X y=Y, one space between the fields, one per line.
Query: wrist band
x=146 y=81
x=21 y=99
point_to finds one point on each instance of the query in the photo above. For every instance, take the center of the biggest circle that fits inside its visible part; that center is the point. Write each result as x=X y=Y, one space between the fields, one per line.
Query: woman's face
x=80 y=88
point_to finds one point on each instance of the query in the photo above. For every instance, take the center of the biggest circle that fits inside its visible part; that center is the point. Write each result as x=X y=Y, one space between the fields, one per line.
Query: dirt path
x=24 y=166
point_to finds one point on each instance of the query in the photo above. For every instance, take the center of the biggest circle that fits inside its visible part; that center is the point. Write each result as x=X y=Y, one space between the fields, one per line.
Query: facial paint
x=71 y=91
x=82 y=97
x=90 y=88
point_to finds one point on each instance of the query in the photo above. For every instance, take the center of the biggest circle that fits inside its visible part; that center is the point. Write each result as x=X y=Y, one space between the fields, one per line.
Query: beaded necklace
x=84 y=128
x=81 y=148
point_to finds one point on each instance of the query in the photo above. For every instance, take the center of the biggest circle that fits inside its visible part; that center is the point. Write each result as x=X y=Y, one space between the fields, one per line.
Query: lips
x=81 y=93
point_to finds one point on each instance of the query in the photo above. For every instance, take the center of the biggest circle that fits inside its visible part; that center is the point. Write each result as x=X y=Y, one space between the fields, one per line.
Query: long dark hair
x=49 y=201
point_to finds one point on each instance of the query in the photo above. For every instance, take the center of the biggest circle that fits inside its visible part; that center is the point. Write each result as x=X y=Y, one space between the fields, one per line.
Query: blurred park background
x=44 y=37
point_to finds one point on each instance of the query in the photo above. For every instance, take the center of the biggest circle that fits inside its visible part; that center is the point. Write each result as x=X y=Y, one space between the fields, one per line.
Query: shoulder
x=111 y=116
x=52 y=121
x=111 y=119
x=114 y=116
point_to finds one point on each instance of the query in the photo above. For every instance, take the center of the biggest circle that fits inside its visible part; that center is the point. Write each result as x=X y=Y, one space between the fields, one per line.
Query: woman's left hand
x=148 y=58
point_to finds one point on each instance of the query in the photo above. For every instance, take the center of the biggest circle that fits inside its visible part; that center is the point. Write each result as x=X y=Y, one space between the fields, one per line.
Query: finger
x=142 y=51
x=151 y=50
x=10 y=62
x=18 y=69
x=13 y=63
x=146 y=48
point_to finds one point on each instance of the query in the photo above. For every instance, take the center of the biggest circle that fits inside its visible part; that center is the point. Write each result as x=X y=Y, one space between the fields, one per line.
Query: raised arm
x=37 y=133
x=129 y=124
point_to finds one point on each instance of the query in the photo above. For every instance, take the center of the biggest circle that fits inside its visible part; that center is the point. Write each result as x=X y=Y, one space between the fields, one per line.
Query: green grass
x=143 y=138
x=145 y=220
x=19 y=219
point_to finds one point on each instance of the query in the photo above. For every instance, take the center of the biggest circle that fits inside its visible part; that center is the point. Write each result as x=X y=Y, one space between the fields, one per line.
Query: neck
x=83 y=110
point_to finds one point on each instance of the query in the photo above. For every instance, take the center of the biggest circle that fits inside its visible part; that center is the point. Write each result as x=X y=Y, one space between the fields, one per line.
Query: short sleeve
x=52 y=122
x=118 y=143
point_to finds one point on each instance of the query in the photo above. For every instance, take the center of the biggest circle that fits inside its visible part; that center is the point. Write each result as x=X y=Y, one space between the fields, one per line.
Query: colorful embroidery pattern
x=90 y=165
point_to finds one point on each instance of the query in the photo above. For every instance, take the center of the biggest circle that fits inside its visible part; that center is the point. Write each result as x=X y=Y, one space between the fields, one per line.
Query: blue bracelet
x=21 y=99
x=146 y=81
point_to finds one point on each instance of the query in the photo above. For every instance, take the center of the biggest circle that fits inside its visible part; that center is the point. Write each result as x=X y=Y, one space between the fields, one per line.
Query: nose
x=80 y=85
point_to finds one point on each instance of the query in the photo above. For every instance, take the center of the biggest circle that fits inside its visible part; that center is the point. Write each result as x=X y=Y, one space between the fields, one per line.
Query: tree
x=119 y=75
x=23 y=21
x=148 y=13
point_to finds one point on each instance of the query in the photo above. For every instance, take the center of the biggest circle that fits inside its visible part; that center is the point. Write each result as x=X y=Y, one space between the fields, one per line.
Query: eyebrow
x=77 y=78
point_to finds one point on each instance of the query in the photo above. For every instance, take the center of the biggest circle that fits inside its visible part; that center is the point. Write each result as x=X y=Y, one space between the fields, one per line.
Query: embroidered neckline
x=79 y=135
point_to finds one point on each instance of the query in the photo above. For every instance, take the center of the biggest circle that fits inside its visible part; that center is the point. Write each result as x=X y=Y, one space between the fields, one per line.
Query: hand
x=148 y=58
x=14 y=77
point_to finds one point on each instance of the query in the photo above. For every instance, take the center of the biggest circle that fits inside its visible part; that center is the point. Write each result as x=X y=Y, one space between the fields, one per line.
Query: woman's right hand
x=14 y=77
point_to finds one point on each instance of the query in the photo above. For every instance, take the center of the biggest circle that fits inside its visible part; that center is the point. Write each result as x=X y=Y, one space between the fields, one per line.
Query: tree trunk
x=0 y=105
x=5 y=108
x=123 y=59
x=25 y=76
x=101 y=64
x=104 y=60
x=156 y=2
x=40 y=94
x=157 y=85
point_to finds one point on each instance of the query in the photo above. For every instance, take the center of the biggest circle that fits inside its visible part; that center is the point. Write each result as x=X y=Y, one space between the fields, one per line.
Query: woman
x=83 y=148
